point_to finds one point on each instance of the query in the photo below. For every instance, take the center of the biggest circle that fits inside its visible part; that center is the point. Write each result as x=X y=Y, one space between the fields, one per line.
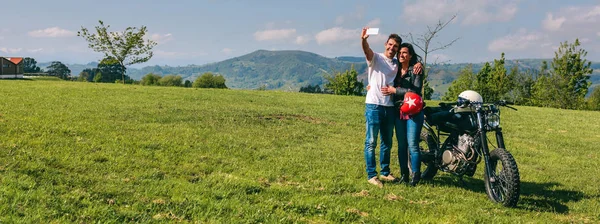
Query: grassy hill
x=111 y=153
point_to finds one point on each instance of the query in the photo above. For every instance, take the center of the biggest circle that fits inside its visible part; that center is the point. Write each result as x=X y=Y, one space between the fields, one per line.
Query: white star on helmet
x=411 y=102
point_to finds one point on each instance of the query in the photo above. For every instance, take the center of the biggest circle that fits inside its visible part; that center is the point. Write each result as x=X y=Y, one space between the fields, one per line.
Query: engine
x=458 y=158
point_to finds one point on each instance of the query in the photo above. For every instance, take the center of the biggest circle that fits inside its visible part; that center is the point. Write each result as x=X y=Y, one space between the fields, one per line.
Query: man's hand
x=365 y=45
x=418 y=68
x=388 y=90
x=364 y=34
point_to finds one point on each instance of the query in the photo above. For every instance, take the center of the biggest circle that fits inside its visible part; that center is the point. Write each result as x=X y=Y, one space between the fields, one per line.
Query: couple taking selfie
x=393 y=102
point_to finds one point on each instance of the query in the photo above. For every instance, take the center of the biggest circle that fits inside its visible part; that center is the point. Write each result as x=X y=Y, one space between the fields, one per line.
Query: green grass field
x=111 y=153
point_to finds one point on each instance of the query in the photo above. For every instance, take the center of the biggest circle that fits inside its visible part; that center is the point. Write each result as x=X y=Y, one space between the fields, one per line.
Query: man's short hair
x=397 y=38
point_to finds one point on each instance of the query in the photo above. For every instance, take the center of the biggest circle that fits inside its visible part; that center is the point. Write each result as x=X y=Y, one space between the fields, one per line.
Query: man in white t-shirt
x=379 y=110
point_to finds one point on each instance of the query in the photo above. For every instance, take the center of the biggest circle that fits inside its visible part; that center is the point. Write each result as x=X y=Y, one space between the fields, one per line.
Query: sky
x=206 y=31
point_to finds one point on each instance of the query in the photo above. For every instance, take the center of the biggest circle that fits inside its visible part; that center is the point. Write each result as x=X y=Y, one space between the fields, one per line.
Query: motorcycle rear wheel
x=504 y=185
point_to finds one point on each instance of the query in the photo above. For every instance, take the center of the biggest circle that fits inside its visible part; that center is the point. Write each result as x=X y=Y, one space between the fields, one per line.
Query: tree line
x=111 y=71
x=563 y=83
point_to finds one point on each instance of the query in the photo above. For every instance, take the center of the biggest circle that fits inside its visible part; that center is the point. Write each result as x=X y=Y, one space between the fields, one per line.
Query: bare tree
x=423 y=42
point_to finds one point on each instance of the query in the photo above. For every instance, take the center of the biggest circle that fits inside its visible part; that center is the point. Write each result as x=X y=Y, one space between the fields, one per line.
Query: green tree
x=150 y=79
x=59 y=70
x=481 y=84
x=30 y=65
x=170 y=80
x=544 y=90
x=567 y=84
x=465 y=81
x=594 y=100
x=499 y=82
x=83 y=76
x=87 y=75
x=187 y=84
x=573 y=70
x=209 y=80
x=262 y=87
x=345 y=83
x=127 y=47
x=311 y=89
x=521 y=93
x=98 y=77
x=111 y=70
x=219 y=82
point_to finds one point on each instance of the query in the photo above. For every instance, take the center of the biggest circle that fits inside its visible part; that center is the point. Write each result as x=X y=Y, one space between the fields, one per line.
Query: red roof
x=15 y=60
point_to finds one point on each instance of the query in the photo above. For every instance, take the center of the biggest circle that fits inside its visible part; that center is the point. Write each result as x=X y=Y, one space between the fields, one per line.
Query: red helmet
x=412 y=103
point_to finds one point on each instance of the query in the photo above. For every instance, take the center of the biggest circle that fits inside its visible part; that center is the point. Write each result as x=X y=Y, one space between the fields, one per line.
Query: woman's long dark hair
x=411 y=50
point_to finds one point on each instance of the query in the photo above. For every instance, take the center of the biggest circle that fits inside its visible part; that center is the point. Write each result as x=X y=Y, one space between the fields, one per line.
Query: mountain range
x=290 y=70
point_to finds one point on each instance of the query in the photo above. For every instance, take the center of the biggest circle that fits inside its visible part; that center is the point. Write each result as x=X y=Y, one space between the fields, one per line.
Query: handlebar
x=503 y=103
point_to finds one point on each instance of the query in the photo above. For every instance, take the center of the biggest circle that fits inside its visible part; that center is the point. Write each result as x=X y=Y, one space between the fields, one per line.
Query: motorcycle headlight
x=493 y=120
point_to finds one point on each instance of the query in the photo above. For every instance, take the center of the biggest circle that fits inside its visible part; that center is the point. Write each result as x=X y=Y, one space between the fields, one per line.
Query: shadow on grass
x=541 y=197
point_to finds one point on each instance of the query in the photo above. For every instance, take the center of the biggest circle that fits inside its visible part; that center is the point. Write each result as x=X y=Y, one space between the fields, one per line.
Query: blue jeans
x=408 y=134
x=378 y=119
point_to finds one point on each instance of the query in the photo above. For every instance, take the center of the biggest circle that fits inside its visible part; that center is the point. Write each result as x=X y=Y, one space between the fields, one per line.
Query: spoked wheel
x=428 y=147
x=504 y=184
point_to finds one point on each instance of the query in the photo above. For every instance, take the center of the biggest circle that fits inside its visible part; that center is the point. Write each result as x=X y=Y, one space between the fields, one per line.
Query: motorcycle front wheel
x=504 y=184
x=428 y=148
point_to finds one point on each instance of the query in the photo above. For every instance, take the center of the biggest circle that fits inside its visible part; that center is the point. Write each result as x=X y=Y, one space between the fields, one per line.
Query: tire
x=428 y=148
x=507 y=185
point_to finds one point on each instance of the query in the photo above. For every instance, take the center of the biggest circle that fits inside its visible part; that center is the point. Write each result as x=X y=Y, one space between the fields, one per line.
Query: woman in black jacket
x=408 y=127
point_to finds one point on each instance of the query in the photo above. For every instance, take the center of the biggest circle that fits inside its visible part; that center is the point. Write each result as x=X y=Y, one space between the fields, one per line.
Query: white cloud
x=302 y=39
x=470 y=12
x=11 y=50
x=374 y=23
x=52 y=32
x=585 y=14
x=161 y=38
x=574 y=22
x=598 y=33
x=377 y=40
x=521 y=40
x=552 y=24
x=274 y=34
x=580 y=16
x=35 y=50
x=227 y=50
x=336 y=34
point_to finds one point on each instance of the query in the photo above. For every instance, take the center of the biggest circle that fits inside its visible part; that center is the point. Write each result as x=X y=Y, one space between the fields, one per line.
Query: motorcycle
x=465 y=126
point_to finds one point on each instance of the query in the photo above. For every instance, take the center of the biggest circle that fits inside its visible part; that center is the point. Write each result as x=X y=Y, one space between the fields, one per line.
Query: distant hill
x=75 y=68
x=290 y=70
x=271 y=69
